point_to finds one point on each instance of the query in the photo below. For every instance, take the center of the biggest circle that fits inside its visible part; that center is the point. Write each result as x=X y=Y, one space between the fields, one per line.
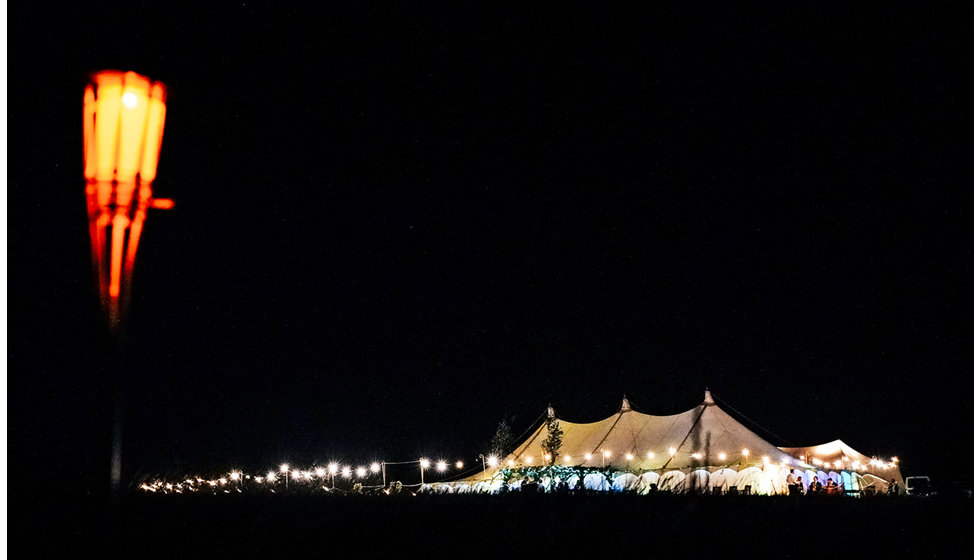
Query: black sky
x=394 y=228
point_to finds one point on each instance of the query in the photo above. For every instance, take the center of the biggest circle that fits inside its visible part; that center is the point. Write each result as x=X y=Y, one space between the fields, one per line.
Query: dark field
x=521 y=526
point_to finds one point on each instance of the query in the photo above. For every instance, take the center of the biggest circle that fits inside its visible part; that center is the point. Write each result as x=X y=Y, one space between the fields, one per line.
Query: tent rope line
x=693 y=424
x=760 y=426
x=534 y=435
x=611 y=428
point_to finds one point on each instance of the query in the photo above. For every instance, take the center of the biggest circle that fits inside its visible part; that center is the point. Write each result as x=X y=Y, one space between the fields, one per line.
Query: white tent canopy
x=703 y=449
x=838 y=456
x=704 y=436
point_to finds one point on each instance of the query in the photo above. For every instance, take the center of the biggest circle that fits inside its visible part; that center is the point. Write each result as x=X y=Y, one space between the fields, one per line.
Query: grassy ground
x=522 y=525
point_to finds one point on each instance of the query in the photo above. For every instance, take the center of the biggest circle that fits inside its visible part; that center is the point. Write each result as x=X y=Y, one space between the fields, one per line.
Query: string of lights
x=319 y=476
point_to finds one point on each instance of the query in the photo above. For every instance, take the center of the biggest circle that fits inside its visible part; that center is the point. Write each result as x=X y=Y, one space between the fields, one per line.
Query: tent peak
x=626 y=405
x=551 y=411
x=707 y=397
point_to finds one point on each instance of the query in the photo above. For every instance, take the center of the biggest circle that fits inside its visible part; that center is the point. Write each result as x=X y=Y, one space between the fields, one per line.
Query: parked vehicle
x=919 y=486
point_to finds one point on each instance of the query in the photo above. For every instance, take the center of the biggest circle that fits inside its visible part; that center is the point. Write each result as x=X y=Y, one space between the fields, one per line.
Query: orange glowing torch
x=123 y=128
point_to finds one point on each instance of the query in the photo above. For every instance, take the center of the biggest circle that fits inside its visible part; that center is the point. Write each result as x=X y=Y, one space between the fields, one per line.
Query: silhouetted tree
x=552 y=444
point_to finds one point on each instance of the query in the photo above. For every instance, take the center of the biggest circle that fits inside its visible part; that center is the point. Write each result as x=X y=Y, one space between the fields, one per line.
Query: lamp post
x=122 y=129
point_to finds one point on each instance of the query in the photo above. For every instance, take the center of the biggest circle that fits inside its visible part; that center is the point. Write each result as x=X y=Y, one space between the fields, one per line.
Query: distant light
x=528 y=459
x=894 y=459
x=332 y=468
x=568 y=458
x=345 y=472
x=607 y=454
x=223 y=480
x=296 y=474
x=696 y=455
x=235 y=475
x=765 y=460
x=745 y=452
x=308 y=475
x=321 y=472
x=259 y=479
x=837 y=463
x=283 y=468
x=629 y=456
x=424 y=463
x=588 y=456
x=459 y=464
x=375 y=467
x=441 y=466
x=547 y=456
x=802 y=458
x=510 y=462
x=650 y=455
x=361 y=472
x=492 y=460
x=722 y=456
x=672 y=451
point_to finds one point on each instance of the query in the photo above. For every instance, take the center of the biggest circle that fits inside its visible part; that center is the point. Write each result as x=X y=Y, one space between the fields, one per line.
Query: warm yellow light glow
x=547 y=456
x=510 y=462
x=223 y=480
x=607 y=454
x=375 y=467
x=629 y=456
x=837 y=464
x=802 y=458
x=895 y=459
x=283 y=468
x=697 y=456
x=130 y=100
x=332 y=468
x=259 y=479
x=321 y=472
x=361 y=472
x=528 y=459
x=745 y=452
x=424 y=463
x=441 y=466
x=459 y=464
x=296 y=474
x=568 y=458
x=588 y=456
x=345 y=472
x=650 y=455
x=123 y=116
x=765 y=460
x=722 y=456
x=492 y=461
x=235 y=475
x=672 y=451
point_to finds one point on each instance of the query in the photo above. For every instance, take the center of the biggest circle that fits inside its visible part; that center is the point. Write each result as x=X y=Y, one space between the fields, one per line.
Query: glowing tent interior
x=703 y=449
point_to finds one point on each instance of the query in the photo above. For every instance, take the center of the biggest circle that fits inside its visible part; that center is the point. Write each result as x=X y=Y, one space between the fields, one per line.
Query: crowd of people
x=797 y=487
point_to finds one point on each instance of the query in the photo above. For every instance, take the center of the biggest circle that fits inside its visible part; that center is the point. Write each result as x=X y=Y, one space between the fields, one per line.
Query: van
x=918 y=486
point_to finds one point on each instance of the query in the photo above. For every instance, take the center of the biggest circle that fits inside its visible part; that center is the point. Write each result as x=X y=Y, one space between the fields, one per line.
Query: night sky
x=396 y=228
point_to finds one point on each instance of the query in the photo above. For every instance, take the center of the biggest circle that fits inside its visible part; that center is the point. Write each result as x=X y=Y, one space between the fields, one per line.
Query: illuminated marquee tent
x=704 y=436
x=836 y=455
x=699 y=449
